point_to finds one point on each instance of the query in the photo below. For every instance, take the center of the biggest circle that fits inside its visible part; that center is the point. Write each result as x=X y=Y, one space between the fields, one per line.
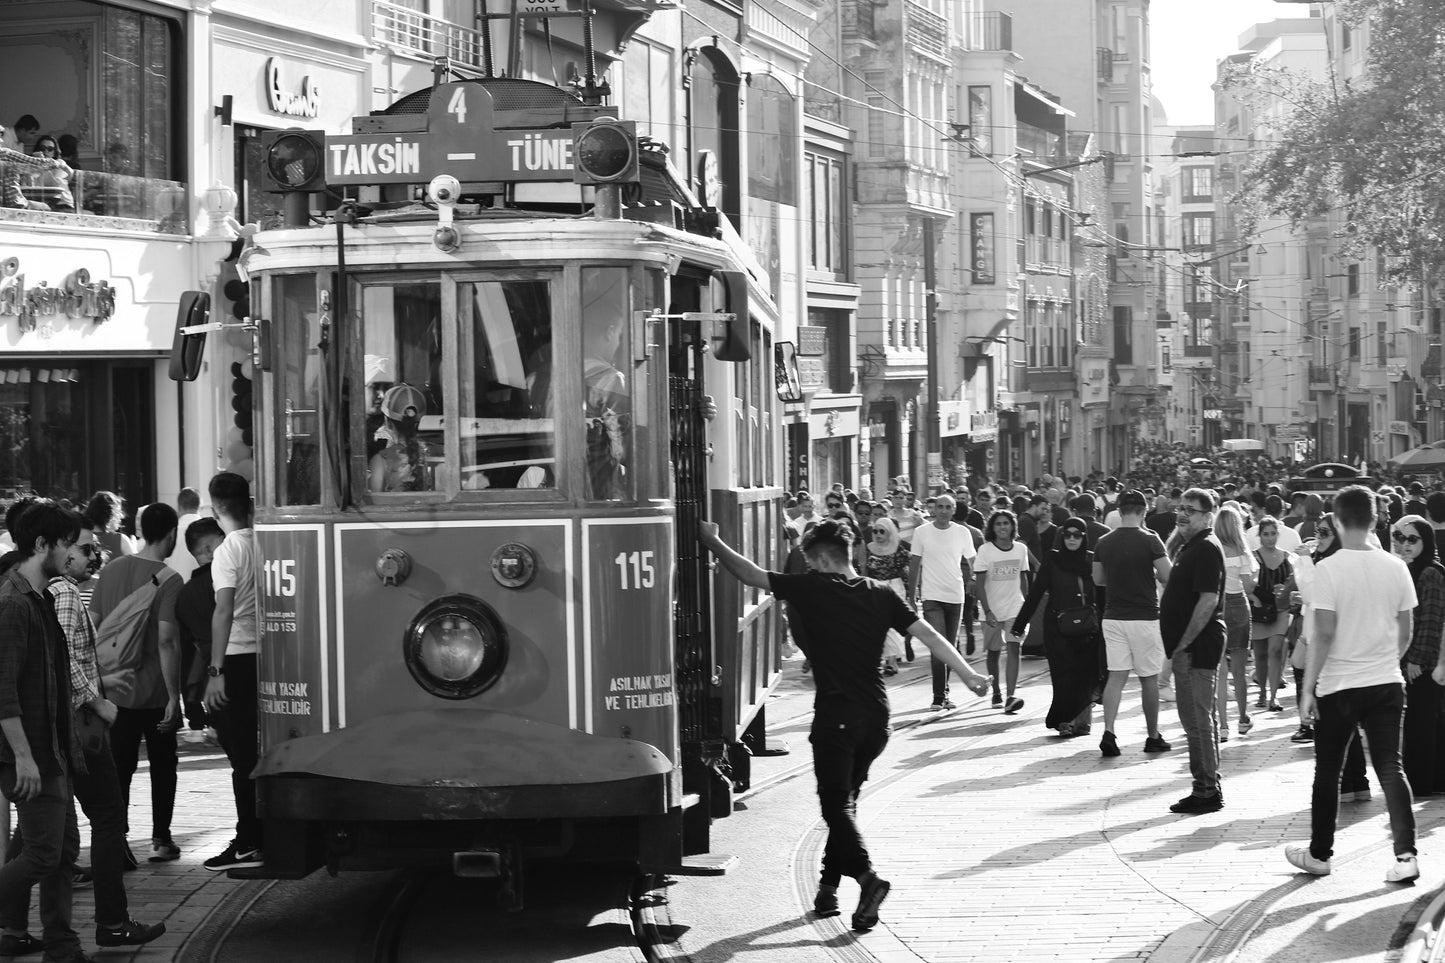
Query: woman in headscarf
x=1413 y=539
x=886 y=559
x=1066 y=576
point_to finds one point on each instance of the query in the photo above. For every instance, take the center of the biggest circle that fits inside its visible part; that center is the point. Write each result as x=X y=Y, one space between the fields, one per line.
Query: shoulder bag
x=1080 y=620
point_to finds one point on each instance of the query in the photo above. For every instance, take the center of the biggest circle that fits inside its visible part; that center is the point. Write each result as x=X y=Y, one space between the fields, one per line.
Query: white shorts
x=1134 y=645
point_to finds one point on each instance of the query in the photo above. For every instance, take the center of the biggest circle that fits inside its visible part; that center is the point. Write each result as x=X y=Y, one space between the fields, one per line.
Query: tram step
x=690 y=799
x=705 y=864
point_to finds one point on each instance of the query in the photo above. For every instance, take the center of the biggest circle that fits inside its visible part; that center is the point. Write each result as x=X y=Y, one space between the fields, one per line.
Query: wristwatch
x=215 y=671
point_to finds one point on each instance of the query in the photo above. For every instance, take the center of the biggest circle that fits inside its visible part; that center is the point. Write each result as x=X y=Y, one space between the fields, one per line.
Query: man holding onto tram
x=846 y=618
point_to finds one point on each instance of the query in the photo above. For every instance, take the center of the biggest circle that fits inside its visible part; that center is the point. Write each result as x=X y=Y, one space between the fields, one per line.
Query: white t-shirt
x=234 y=567
x=1366 y=589
x=1004 y=589
x=1288 y=540
x=181 y=559
x=1112 y=520
x=1234 y=567
x=943 y=551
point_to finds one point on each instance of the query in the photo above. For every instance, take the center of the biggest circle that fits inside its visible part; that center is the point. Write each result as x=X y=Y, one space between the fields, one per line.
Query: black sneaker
x=826 y=902
x=997 y=701
x=234 y=857
x=1109 y=745
x=1156 y=744
x=1014 y=704
x=874 y=890
x=79 y=879
x=1194 y=805
x=969 y=646
x=22 y=945
x=163 y=850
x=131 y=934
x=1303 y=734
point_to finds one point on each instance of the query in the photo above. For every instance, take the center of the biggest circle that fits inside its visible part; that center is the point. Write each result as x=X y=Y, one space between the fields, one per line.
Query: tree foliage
x=1369 y=152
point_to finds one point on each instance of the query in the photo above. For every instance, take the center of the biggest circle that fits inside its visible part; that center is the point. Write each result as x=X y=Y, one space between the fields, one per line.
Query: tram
x=484 y=431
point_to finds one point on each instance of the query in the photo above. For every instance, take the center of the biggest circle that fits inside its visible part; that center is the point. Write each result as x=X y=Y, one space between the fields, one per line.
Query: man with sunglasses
x=1191 y=623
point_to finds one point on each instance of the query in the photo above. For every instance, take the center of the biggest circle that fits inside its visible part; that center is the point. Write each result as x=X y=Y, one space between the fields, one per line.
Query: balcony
x=99 y=199
x=1322 y=377
x=991 y=31
x=858 y=20
x=1106 y=65
x=1043 y=145
x=926 y=30
x=399 y=26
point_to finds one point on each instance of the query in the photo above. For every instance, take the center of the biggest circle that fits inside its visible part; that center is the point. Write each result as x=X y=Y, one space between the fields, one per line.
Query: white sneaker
x=1166 y=693
x=193 y=737
x=1405 y=869
x=1300 y=858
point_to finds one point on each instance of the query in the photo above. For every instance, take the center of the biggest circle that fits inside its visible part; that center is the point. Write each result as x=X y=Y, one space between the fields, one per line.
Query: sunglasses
x=1399 y=538
x=1074 y=535
x=89 y=551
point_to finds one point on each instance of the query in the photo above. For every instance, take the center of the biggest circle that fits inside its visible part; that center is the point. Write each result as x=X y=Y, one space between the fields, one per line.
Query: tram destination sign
x=459 y=139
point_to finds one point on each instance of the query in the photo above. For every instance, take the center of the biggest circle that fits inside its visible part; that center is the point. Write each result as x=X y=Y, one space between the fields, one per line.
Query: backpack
x=120 y=639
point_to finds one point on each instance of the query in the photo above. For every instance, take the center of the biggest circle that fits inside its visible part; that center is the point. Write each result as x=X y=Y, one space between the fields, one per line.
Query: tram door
x=697 y=709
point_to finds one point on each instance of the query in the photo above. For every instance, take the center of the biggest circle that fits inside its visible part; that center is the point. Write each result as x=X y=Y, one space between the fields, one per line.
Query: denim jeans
x=131 y=726
x=1379 y=710
x=1194 y=698
x=943 y=616
x=237 y=728
x=49 y=847
x=98 y=792
x=845 y=743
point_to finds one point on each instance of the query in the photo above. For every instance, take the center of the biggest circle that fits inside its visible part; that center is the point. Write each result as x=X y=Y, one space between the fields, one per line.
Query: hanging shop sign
x=981 y=242
x=983 y=426
x=77 y=296
x=812 y=340
x=953 y=419
x=303 y=103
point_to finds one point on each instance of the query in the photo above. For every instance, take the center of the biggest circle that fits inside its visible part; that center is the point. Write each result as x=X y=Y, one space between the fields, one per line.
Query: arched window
x=712 y=119
x=772 y=141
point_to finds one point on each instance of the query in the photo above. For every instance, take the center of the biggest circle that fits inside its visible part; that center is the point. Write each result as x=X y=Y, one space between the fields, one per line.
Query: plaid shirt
x=70 y=612
x=33 y=684
x=10 y=163
x=1424 y=648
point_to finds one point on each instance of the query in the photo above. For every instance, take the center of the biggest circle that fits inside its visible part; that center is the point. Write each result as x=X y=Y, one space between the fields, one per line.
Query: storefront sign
x=953 y=419
x=1095 y=382
x=306 y=103
x=981 y=243
x=812 y=340
x=980 y=117
x=1399 y=428
x=983 y=426
x=75 y=297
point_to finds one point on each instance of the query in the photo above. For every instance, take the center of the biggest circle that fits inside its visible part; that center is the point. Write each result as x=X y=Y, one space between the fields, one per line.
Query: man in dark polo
x=36 y=751
x=1191 y=622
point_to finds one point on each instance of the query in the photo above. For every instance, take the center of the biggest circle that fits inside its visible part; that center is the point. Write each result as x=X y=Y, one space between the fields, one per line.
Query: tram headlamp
x=604 y=152
x=456 y=647
x=295 y=160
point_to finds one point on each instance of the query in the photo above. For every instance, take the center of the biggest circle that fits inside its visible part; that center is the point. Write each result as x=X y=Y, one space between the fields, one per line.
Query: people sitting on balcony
x=51 y=185
x=27 y=131
x=70 y=150
x=11 y=161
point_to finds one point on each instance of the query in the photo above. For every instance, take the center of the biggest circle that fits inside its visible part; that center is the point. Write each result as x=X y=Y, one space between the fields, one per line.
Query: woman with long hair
x=1413 y=539
x=106 y=513
x=1270 y=615
x=1239 y=572
x=1066 y=576
x=886 y=559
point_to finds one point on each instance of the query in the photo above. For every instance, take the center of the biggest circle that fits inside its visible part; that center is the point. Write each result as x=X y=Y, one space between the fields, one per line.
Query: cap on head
x=1133 y=498
x=402 y=401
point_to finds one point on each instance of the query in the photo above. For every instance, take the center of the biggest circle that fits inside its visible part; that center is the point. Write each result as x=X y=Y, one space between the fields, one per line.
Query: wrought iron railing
x=401 y=26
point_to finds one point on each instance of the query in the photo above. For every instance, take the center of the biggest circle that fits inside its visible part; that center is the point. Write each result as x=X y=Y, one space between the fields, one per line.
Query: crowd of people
x=1203 y=582
x=109 y=642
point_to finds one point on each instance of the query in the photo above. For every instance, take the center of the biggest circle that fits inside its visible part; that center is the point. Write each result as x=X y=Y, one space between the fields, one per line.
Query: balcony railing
x=991 y=31
x=1322 y=377
x=927 y=30
x=147 y=203
x=400 y=26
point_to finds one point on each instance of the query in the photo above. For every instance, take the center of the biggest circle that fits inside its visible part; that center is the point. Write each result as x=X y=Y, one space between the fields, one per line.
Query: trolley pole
x=932 y=440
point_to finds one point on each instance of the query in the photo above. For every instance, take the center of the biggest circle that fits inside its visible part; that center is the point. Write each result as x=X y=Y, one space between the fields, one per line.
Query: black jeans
x=45 y=854
x=845 y=743
x=131 y=726
x=1379 y=711
x=943 y=616
x=1421 y=737
x=238 y=730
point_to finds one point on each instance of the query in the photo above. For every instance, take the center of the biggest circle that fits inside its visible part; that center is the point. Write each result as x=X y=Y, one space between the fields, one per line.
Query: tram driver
x=402 y=465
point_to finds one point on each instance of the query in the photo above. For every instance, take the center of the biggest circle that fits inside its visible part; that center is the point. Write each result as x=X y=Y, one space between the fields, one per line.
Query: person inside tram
x=402 y=465
x=607 y=407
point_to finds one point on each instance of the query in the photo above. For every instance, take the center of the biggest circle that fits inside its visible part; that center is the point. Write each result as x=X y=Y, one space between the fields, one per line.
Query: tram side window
x=297 y=330
x=607 y=410
x=505 y=344
x=402 y=361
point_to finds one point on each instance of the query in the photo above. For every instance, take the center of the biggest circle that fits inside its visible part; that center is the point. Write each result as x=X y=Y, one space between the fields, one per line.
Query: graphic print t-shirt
x=1004 y=587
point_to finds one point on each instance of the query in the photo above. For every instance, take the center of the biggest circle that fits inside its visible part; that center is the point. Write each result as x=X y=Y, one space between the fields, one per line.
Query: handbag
x=1079 y=620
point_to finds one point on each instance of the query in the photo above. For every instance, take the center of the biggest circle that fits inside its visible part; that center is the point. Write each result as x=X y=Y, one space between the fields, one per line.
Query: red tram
x=482 y=444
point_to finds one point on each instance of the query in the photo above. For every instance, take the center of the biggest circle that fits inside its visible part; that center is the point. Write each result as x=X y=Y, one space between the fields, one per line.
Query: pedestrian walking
x=848 y=617
x=141 y=668
x=1364 y=604
x=1128 y=564
x=1001 y=570
x=1239 y=571
x=38 y=752
x=1191 y=622
x=887 y=561
x=1414 y=541
x=941 y=552
x=1066 y=578
x=1270 y=611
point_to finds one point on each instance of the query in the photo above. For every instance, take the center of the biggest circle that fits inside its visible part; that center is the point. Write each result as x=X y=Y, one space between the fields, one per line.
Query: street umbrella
x=1420 y=458
x=1202 y=463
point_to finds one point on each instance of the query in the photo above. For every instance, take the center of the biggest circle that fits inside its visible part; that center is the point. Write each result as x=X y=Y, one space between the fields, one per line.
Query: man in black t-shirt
x=846 y=619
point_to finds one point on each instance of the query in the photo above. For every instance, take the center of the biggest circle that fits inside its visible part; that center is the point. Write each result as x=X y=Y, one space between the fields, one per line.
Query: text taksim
x=401 y=157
